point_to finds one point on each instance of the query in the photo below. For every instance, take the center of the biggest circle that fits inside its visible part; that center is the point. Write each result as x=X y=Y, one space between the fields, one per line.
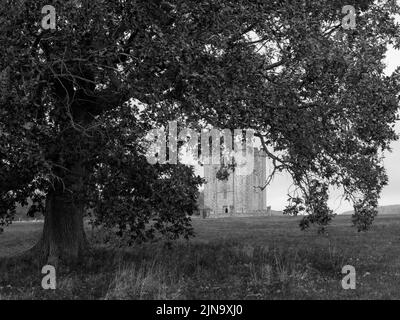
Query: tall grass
x=224 y=271
x=233 y=259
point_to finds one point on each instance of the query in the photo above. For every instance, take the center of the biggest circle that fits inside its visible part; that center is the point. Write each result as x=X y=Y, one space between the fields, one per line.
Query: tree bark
x=63 y=238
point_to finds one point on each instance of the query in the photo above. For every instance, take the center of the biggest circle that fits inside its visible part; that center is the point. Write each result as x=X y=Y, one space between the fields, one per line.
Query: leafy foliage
x=68 y=124
x=81 y=98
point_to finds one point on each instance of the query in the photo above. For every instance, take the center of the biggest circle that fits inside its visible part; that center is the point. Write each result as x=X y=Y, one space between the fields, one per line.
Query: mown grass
x=236 y=258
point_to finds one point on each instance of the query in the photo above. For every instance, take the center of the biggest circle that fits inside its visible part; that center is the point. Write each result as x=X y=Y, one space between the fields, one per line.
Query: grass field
x=231 y=258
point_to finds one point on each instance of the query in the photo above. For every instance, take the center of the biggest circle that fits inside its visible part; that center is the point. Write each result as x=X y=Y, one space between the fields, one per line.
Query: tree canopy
x=77 y=101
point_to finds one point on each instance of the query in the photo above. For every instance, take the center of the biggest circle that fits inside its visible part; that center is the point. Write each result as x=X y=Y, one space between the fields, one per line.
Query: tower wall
x=239 y=194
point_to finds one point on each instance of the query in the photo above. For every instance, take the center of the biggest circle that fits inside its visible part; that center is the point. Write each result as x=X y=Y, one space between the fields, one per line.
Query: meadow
x=231 y=258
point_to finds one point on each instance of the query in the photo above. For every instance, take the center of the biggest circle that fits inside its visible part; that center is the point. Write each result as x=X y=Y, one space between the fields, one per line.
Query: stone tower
x=239 y=194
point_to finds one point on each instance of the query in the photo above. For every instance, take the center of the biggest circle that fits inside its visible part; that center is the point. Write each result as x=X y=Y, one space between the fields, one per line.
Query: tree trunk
x=63 y=235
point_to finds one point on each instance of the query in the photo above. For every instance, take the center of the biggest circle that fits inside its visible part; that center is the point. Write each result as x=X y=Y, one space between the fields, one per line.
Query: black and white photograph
x=180 y=151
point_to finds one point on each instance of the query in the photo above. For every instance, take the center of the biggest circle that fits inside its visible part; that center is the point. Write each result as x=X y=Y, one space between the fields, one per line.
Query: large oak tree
x=77 y=101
